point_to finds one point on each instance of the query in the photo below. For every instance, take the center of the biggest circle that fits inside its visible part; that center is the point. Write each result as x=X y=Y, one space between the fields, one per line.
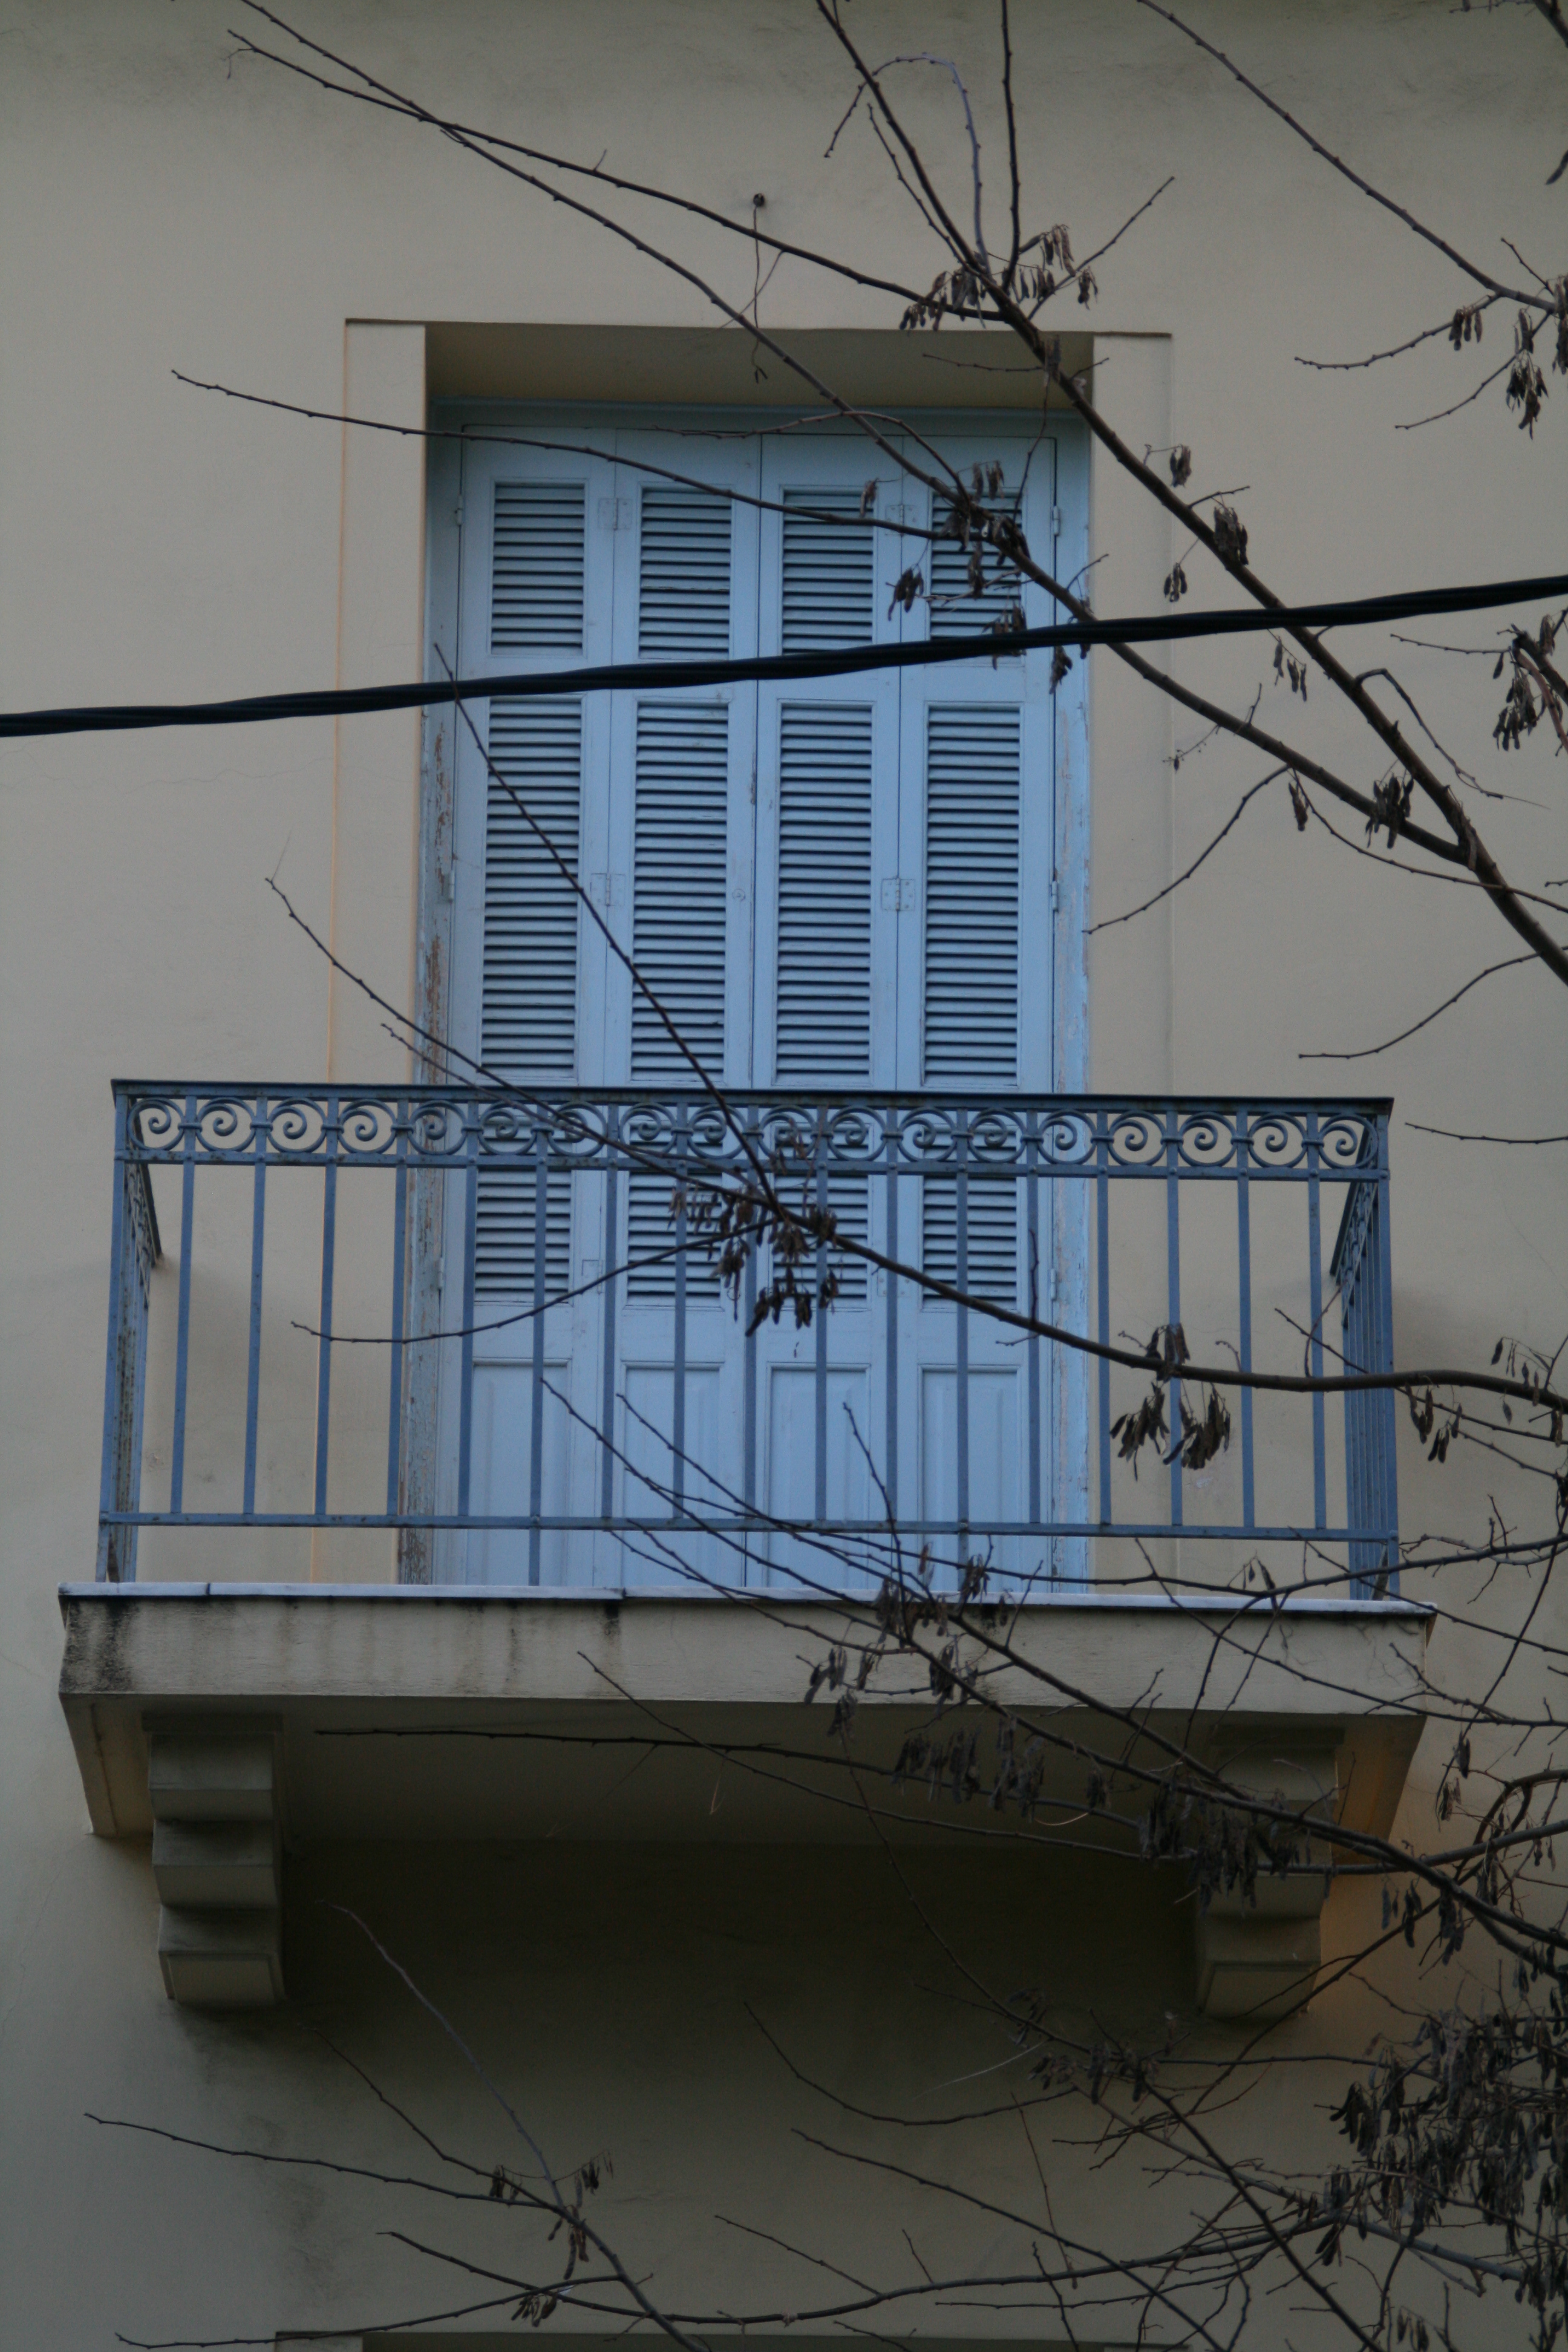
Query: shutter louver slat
x=683 y=588
x=829 y=571
x=538 y=552
x=678 y=885
x=824 y=988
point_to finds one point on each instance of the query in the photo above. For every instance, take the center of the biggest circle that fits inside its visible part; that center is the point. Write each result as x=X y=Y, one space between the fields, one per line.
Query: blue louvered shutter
x=830 y=572
x=822 y=995
x=528 y=980
x=823 y=989
x=682 y=756
x=683 y=575
x=969 y=1008
x=958 y=569
x=537 y=566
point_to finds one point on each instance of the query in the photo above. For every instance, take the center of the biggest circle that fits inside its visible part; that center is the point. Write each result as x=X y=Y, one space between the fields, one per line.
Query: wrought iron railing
x=492 y=1328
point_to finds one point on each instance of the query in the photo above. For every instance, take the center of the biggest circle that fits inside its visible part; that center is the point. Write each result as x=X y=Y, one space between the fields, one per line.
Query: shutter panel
x=971 y=998
x=677 y=941
x=956 y=610
x=992 y=1237
x=679 y=894
x=683 y=587
x=536 y=582
x=503 y=1232
x=823 y=985
x=528 y=1011
x=829 y=567
x=650 y=1242
x=527 y=1020
x=972 y=895
x=824 y=990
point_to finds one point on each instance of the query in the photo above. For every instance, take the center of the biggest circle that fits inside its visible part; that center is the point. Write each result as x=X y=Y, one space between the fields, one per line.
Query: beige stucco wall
x=168 y=204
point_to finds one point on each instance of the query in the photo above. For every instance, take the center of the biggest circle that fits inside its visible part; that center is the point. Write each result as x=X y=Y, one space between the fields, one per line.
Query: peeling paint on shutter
x=536 y=584
x=683 y=590
x=829 y=567
x=824 y=988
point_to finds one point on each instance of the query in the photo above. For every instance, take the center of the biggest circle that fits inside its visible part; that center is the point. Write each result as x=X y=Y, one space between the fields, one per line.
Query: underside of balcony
x=404 y=1711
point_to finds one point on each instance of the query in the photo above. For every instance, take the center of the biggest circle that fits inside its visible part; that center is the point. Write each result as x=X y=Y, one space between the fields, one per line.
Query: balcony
x=453 y=1469
x=442 y=1334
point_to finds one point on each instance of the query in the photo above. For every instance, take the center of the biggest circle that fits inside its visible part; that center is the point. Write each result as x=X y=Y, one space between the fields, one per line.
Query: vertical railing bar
x=960 y=1265
x=1357 y=1511
x=1315 y=1311
x=1173 y=1298
x=607 y=1386
x=142 y=1229
x=1244 y=1254
x=677 y=1462
x=1382 y=1399
x=1037 y=1304
x=1102 y=1306
x=536 y=1391
x=890 y=1465
x=115 y=1403
x=819 y=1391
x=183 y=1341
x=469 y=1243
x=260 y=1133
x=325 y=1344
x=402 y=1113
x=749 y=1346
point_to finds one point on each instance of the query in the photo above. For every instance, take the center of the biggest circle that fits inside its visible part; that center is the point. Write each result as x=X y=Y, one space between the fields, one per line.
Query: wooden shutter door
x=527 y=979
x=976 y=1009
x=680 y=833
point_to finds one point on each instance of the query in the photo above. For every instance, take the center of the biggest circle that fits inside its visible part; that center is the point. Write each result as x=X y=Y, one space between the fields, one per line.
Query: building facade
x=485 y=1500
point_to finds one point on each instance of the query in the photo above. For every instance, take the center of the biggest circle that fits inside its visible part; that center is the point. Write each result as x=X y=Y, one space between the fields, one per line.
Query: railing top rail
x=994 y=1134
x=1002 y=1096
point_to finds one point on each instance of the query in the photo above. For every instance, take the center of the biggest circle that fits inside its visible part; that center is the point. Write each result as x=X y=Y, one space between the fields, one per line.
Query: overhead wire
x=1148 y=629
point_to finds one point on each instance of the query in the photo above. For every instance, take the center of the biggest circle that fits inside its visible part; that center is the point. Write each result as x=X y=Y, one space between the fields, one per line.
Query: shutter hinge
x=898 y=892
x=1055 y=522
x=445 y=884
x=458 y=514
x=609 y=889
x=615 y=514
x=1055 y=895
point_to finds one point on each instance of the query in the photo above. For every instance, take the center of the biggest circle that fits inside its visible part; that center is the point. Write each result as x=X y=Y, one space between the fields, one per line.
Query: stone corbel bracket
x=1259 y=1956
x=216 y=1862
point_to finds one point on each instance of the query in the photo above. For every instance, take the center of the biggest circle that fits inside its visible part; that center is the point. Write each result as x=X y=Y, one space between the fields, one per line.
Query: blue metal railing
x=509 y=1221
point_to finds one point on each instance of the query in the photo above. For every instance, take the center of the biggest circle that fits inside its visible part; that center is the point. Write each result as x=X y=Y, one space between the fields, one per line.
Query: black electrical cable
x=1150 y=628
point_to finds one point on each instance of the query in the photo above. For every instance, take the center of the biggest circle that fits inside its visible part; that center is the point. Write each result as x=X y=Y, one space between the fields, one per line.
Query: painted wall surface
x=171 y=205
